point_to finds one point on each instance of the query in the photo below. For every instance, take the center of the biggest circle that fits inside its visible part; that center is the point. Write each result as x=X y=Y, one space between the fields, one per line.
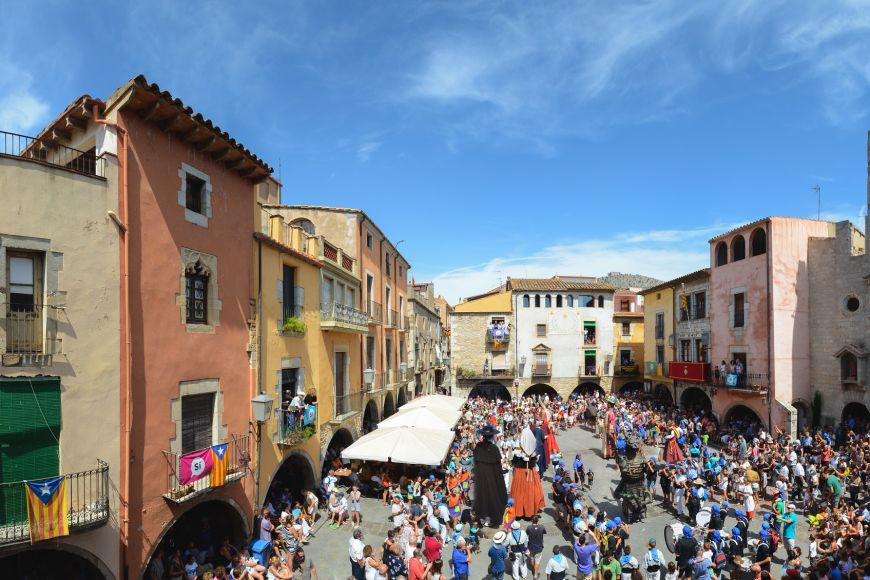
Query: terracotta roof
x=761 y=221
x=554 y=284
x=676 y=281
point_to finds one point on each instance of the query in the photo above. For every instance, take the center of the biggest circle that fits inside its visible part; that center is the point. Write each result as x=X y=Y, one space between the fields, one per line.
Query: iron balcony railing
x=238 y=451
x=588 y=371
x=374 y=311
x=52 y=153
x=26 y=326
x=541 y=370
x=348 y=403
x=660 y=332
x=498 y=336
x=87 y=497
x=627 y=370
x=406 y=324
x=392 y=318
x=293 y=427
x=347 y=316
x=295 y=311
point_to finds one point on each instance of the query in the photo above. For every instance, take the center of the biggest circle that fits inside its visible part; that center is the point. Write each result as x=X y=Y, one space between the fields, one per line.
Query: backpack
x=774 y=541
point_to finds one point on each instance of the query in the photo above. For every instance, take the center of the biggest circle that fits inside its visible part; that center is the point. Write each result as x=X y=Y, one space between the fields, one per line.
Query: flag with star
x=220 y=462
x=47 y=508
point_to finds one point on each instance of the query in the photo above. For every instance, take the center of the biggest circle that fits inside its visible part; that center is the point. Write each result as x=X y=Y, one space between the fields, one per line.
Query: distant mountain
x=638 y=281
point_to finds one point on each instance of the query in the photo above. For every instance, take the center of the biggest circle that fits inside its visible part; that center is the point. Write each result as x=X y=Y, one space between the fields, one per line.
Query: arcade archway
x=389 y=405
x=293 y=476
x=856 y=415
x=742 y=419
x=541 y=390
x=53 y=563
x=340 y=441
x=370 y=417
x=695 y=399
x=490 y=390
x=662 y=393
x=588 y=389
x=804 y=416
x=402 y=397
x=631 y=388
x=212 y=519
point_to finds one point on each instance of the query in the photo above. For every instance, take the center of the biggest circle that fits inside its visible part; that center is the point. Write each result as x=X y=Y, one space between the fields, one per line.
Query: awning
x=435 y=401
x=423 y=417
x=409 y=445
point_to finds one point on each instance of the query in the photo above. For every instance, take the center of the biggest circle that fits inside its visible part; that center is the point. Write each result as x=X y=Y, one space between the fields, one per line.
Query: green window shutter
x=28 y=404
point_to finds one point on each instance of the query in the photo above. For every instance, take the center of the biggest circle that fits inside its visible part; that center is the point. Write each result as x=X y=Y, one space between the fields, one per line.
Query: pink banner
x=195 y=466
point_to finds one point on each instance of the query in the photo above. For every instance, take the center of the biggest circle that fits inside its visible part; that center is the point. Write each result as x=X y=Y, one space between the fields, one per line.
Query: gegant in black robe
x=490 y=493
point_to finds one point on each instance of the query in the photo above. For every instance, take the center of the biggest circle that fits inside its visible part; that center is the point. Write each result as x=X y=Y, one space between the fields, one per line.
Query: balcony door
x=24 y=310
x=540 y=363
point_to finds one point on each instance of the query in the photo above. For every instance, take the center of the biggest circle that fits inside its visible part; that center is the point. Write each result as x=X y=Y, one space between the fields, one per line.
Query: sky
x=497 y=138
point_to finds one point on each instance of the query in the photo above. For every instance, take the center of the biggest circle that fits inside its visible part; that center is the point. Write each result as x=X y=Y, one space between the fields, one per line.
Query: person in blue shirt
x=789 y=530
x=578 y=466
x=497 y=556
x=461 y=560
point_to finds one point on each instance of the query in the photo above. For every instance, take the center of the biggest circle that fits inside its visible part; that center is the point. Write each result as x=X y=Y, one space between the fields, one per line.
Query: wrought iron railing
x=374 y=311
x=335 y=312
x=588 y=371
x=287 y=329
x=87 y=497
x=296 y=425
x=499 y=336
x=25 y=328
x=239 y=454
x=627 y=370
x=348 y=403
x=51 y=153
x=541 y=370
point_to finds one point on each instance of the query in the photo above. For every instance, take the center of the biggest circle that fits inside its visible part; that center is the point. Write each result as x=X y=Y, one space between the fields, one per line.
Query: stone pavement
x=329 y=549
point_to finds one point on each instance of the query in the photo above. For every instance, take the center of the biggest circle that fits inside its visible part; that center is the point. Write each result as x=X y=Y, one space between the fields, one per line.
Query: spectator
x=497 y=556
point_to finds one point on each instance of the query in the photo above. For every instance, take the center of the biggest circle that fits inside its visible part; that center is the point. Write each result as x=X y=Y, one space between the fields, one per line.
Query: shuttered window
x=289 y=283
x=197 y=420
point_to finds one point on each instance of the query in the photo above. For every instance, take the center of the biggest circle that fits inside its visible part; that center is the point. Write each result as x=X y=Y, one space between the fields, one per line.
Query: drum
x=702 y=518
x=672 y=533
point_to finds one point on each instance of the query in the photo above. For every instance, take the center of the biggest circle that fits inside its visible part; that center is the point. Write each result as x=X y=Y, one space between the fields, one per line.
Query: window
x=288 y=285
x=660 y=325
x=542 y=330
x=559 y=301
x=194 y=192
x=624 y=306
x=197 y=421
x=370 y=352
x=570 y=300
x=541 y=363
x=526 y=301
x=401 y=350
x=370 y=284
x=601 y=302
x=685 y=350
x=387 y=261
x=401 y=272
x=369 y=241
x=327 y=290
x=388 y=354
x=25 y=276
x=388 y=302
x=537 y=300
x=196 y=293
x=290 y=385
x=306 y=225
x=721 y=254
x=340 y=371
x=848 y=367
x=660 y=355
x=548 y=302
x=852 y=303
x=700 y=305
x=590 y=363
x=739 y=307
x=586 y=301
x=700 y=351
x=589 y=333
x=625 y=357
x=758 y=242
x=738 y=248
x=626 y=329
x=684 y=307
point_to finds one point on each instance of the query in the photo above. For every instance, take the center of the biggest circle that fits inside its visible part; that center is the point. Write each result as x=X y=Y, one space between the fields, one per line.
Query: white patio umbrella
x=436 y=401
x=422 y=418
x=409 y=445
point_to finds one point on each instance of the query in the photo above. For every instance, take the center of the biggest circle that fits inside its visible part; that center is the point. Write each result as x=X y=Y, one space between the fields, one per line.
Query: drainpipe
x=770 y=377
x=126 y=356
x=259 y=369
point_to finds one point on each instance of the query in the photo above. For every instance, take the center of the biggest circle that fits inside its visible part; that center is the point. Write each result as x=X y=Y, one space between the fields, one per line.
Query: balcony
x=629 y=370
x=693 y=372
x=346 y=404
x=746 y=382
x=338 y=316
x=87 y=496
x=406 y=325
x=374 y=312
x=49 y=152
x=498 y=338
x=541 y=370
x=289 y=327
x=334 y=255
x=588 y=371
x=28 y=335
x=292 y=428
x=392 y=319
x=655 y=369
x=589 y=337
x=239 y=457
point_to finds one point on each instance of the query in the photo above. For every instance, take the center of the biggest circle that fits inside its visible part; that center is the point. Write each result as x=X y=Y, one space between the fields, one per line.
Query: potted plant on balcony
x=294 y=326
x=181 y=492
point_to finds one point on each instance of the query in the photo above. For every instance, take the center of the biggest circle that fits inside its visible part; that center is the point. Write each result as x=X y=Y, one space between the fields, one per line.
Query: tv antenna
x=818 y=189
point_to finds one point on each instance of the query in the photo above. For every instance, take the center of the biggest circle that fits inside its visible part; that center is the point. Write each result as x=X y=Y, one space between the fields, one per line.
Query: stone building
x=424 y=340
x=628 y=338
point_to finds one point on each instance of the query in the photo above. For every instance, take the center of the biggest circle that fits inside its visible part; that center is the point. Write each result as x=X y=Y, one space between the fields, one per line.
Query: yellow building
x=628 y=341
x=658 y=341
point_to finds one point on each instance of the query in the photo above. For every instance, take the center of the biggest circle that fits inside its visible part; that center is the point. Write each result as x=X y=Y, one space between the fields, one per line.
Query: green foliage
x=294 y=324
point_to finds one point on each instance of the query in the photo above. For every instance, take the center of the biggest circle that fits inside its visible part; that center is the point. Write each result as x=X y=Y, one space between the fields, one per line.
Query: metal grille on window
x=196 y=290
x=197 y=417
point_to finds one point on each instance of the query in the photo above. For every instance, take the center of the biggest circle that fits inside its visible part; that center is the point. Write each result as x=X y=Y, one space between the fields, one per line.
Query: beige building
x=59 y=344
x=425 y=354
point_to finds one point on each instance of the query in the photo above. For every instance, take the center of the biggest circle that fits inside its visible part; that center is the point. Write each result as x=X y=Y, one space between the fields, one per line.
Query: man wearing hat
x=490 y=493
x=789 y=529
x=497 y=556
x=653 y=561
x=518 y=545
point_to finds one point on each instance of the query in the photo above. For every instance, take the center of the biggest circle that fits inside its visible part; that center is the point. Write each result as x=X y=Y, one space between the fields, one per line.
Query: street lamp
x=261 y=408
x=369 y=377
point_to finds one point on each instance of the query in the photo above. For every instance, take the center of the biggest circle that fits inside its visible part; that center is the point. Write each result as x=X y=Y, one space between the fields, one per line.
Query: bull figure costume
x=631 y=489
x=526 y=488
x=490 y=494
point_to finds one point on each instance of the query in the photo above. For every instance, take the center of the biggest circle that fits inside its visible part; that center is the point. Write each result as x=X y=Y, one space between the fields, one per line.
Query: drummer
x=716 y=522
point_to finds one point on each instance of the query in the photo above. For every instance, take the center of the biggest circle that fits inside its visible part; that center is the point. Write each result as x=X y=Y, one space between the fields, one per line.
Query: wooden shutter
x=289 y=283
x=197 y=420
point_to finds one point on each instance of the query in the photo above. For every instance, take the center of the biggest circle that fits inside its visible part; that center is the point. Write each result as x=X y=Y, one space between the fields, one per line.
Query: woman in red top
x=416 y=569
x=431 y=546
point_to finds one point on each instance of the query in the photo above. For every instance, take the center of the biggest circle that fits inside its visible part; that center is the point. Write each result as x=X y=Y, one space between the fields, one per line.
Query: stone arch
x=44 y=562
x=721 y=254
x=758 y=242
x=804 y=414
x=371 y=416
x=225 y=517
x=490 y=390
x=856 y=412
x=541 y=389
x=738 y=248
x=631 y=387
x=663 y=393
x=741 y=417
x=340 y=440
x=588 y=388
x=389 y=405
x=402 y=397
x=296 y=472
x=695 y=398
x=306 y=225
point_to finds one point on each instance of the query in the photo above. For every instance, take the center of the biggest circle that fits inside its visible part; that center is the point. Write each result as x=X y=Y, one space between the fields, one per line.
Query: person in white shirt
x=653 y=561
x=355 y=553
x=628 y=563
x=517 y=544
x=557 y=566
x=749 y=503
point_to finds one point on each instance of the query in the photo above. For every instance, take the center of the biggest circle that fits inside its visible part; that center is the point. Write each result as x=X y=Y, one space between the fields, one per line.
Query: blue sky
x=497 y=138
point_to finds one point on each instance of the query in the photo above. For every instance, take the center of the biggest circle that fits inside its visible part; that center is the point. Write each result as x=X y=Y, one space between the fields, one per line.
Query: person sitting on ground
x=278 y=569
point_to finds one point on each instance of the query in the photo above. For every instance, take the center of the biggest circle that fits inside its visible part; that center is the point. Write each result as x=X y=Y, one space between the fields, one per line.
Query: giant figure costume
x=490 y=494
x=526 y=488
x=631 y=488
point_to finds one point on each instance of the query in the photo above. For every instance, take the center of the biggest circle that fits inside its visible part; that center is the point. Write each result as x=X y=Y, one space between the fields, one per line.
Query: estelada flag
x=219 y=470
x=195 y=465
x=47 y=508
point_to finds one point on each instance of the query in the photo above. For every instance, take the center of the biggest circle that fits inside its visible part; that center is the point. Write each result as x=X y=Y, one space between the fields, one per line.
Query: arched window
x=558 y=301
x=526 y=302
x=586 y=301
x=758 y=242
x=721 y=254
x=537 y=300
x=600 y=301
x=548 y=302
x=738 y=248
x=306 y=225
x=570 y=299
x=848 y=367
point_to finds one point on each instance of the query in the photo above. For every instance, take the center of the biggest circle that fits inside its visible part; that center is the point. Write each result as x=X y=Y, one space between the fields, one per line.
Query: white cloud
x=21 y=109
x=365 y=151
